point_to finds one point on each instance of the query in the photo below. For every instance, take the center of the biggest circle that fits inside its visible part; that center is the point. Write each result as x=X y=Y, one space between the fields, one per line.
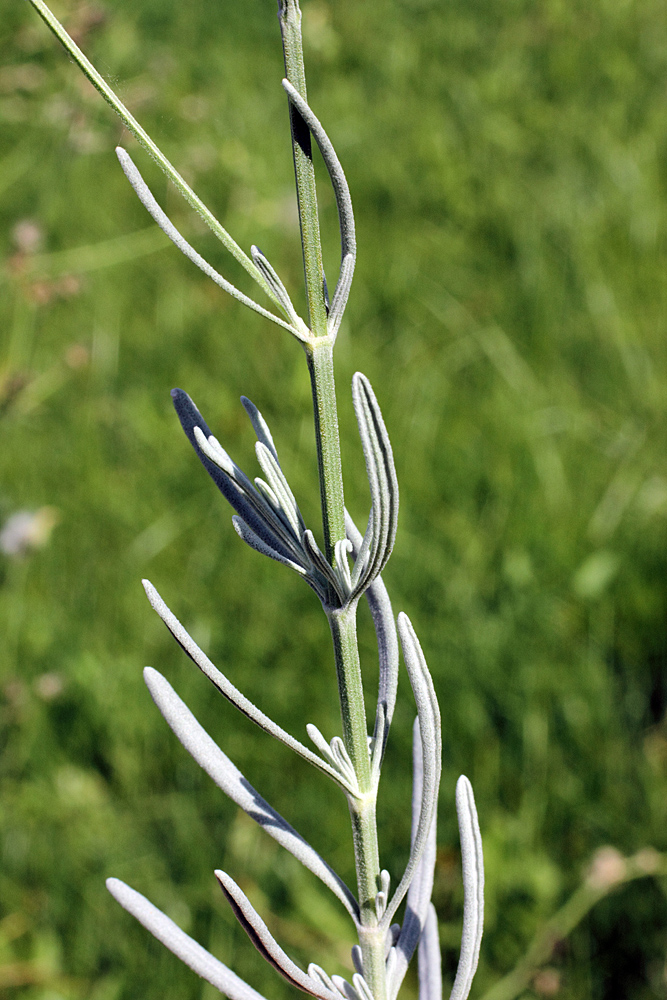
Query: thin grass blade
x=142 y=136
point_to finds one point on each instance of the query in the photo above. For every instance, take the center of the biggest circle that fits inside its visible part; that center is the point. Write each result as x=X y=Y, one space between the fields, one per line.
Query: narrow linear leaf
x=336 y=172
x=342 y=759
x=428 y=714
x=429 y=959
x=473 y=889
x=317 y=972
x=259 y=545
x=271 y=521
x=281 y=488
x=376 y=531
x=227 y=777
x=344 y=988
x=393 y=935
x=279 y=292
x=357 y=959
x=320 y=563
x=384 y=623
x=336 y=754
x=226 y=688
x=319 y=741
x=381 y=474
x=259 y=425
x=270 y=499
x=191 y=419
x=342 y=549
x=266 y=944
x=147 y=199
x=142 y=136
x=341 y=191
x=385 y=881
x=275 y=515
x=365 y=552
x=421 y=887
x=361 y=987
x=180 y=943
x=341 y=295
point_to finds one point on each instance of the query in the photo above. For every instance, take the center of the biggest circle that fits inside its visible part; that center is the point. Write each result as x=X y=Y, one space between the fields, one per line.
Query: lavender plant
x=348 y=567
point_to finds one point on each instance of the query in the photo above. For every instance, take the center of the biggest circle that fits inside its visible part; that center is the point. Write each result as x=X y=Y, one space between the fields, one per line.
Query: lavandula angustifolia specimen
x=349 y=566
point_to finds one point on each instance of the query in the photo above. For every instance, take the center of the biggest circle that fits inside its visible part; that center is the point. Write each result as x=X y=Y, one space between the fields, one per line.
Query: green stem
x=289 y=16
x=321 y=369
x=342 y=621
x=343 y=624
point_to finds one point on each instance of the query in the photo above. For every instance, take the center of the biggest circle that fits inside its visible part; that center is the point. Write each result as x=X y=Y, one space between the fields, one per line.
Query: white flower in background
x=28 y=236
x=26 y=530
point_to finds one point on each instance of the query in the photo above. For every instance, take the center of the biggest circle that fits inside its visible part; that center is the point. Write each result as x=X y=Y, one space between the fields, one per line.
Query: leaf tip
x=463 y=783
x=150 y=674
x=119 y=890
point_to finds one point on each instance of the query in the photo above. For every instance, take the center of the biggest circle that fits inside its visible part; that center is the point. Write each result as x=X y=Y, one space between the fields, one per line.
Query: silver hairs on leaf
x=269 y=520
x=181 y=944
x=296 y=326
x=229 y=779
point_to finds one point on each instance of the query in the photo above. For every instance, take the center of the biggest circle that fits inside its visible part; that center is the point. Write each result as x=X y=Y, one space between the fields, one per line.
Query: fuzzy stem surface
x=321 y=369
x=342 y=621
x=343 y=626
x=289 y=16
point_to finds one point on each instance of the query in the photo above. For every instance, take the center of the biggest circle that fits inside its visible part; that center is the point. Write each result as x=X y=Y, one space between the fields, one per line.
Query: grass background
x=508 y=164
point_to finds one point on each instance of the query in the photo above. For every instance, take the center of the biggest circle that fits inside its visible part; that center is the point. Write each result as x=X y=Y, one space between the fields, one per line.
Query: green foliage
x=508 y=167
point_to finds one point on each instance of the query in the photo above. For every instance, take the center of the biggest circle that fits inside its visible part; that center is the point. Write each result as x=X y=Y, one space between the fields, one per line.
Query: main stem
x=343 y=624
x=342 y=621
x=323 y=386
x=289 y=16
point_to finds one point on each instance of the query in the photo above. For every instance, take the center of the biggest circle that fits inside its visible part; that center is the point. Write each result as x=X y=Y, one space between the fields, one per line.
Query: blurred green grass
x=508 y=165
